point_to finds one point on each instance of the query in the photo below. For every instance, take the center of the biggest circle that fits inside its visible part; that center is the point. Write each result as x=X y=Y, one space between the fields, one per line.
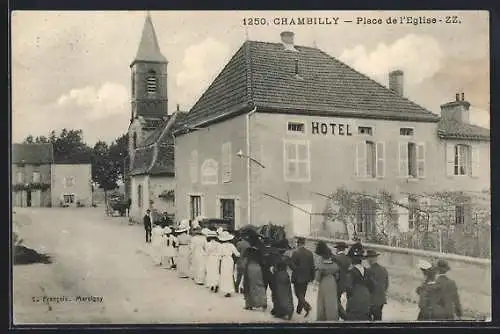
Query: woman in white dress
x=213 y=261
x=198 y=252
x=183 y=253
x=227 y=250
x=156 y=243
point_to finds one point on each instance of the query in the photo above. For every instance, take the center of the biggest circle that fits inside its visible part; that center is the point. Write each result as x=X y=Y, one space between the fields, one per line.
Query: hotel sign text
x=336 y=129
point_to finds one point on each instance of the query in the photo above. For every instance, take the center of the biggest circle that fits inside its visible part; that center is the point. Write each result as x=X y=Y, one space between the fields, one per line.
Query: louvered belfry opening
x=151 y=82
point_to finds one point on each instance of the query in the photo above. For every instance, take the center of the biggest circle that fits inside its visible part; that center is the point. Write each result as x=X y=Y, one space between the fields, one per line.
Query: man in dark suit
x=452 y=306
x=344 y=263
x=148 y=222
x=302 y=274
x=379 y=283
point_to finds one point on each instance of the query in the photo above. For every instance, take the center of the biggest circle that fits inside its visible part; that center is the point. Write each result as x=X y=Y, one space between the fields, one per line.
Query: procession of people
x=231 y=264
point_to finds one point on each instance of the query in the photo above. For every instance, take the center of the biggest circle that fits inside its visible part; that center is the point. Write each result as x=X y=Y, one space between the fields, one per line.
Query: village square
x=293 y=187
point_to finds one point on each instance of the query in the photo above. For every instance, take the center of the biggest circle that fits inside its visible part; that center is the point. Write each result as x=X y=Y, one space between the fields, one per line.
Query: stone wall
x=472 y=275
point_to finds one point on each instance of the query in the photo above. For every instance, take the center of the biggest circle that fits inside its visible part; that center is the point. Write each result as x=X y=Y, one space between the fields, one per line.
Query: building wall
x=81 y=187
x=19 y=198
x=137 y=211
x=158 y=184
x=208 y=143
x=333 y=165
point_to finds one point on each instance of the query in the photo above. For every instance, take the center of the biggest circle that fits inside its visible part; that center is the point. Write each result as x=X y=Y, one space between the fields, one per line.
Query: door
x=195 y=206
x=69 y=199
x=28 y=198
x=36 y=198
x=227 y=210
x=301 y=220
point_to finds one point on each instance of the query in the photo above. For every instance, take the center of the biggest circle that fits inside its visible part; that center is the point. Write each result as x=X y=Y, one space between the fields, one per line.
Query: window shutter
x=450 y=159
x=361 y=159
x=380 y=157
x=421 y=160
x=403 y=159
x=474 y=161
x=403 y=215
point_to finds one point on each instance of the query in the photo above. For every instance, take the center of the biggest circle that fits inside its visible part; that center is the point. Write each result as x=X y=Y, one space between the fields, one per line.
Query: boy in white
x=169 y=248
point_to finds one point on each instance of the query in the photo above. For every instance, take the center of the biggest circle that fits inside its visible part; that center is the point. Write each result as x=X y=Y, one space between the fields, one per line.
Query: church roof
x=266 y=76
x=149 y=50
x=156 y=155
x=32 y=154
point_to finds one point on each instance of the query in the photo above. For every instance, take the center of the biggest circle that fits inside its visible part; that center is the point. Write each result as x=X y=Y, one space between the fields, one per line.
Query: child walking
x=213 y=260
x=170 y=248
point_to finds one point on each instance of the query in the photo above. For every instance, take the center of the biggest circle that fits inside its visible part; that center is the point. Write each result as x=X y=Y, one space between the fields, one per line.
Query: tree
x=118 y=152
x=104 y=169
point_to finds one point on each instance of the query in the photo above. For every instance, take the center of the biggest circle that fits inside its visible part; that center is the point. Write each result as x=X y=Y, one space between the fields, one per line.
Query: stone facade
x=71 y=184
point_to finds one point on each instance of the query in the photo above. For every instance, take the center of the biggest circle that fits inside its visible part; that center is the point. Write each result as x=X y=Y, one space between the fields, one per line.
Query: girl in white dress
x=169 y=248
x=213 y=260
x=198 y=252
x=183 y=253
x=227 y=250
x=156 y=243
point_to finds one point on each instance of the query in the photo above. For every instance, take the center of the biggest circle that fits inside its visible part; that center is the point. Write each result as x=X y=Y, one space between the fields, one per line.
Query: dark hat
x=371 y=253
x=442 y=265
x=356 y=250
x=341 y=245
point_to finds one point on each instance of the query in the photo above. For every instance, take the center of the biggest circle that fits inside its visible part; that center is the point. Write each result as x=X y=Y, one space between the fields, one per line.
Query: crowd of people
x=229 y=264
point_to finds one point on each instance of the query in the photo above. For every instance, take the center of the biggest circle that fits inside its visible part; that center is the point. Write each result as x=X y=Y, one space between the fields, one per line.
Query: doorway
x=28 y=199
x=227 y=210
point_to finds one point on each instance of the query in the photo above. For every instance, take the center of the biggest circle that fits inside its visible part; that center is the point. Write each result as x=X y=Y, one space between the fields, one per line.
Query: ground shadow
x=24 y=255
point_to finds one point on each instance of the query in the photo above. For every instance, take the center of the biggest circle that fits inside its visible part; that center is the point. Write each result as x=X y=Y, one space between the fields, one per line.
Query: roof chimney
x=396 y=82
x=457 y=110
x=287 y=40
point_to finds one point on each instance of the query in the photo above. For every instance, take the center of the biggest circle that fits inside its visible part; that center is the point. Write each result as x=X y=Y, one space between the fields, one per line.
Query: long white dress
x=183 y=255
x=198 y=255
x=213 y=258
x=227 y=250
x=169 y=250
x=156 y=243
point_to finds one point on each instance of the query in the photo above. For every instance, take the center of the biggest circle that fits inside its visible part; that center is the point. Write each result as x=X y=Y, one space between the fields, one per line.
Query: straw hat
x=225 y=236
x=211 y=234
x=220 y=230
x=424 y=265
x=371 y=253
x=205 y=231
x=183 y=226
x=167 y=230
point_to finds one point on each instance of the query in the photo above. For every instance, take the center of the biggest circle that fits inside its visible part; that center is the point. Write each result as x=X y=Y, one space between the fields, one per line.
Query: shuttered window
x=370 y=159
x=411 y=159
x=151 y=83
x=226 y=162
x=297 y=161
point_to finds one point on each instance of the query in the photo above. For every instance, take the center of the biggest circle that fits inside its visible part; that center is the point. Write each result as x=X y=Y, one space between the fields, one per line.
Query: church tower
x=149 y=100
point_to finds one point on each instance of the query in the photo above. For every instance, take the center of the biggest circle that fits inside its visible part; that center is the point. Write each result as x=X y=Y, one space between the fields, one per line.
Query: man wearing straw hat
x=379 y=283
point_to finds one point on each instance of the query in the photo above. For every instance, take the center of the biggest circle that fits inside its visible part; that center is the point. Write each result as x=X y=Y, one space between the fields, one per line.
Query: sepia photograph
x=248 y=167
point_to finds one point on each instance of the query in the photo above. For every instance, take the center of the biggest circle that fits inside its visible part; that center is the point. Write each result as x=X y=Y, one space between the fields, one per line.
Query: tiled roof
x=164 y=163
x=149 y=50
x=142 y=161
x=263 y=74
x=451 y=129
x=32 y=154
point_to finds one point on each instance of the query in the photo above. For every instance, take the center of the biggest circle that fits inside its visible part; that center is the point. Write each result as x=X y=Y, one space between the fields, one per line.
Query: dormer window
x=151 y=82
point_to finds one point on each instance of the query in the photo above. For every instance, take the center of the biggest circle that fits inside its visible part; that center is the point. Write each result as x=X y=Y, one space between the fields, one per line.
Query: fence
x=471 y=238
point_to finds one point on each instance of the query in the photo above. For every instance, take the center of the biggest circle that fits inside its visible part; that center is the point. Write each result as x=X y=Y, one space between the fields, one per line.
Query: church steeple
x=149 y=50
x=149 y=98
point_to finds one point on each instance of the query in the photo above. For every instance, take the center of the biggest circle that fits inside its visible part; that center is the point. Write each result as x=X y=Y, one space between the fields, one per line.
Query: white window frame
x=39 y=177
x=193 y=166
x=202 y=204
x=467 y=160
x=227 y=171
x=296 y=133
x=205 y=178
x=407 y=175
x=20 y=177
x=296 y=160
x=237 y=213
x=379 y=174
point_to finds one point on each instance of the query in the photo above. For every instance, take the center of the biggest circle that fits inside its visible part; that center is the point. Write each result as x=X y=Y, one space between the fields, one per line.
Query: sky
x=70 y=69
